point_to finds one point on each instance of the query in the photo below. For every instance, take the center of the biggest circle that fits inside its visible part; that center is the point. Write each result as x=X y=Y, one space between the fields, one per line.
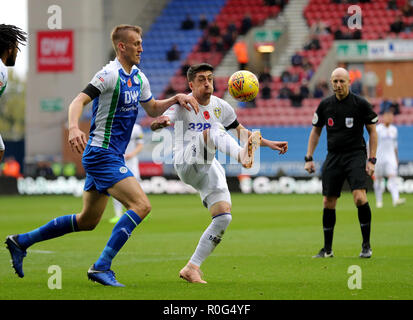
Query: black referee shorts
x=341 y=166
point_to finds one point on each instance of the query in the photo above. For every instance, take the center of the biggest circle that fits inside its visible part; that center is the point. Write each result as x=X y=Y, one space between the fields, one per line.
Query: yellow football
x=243 y=85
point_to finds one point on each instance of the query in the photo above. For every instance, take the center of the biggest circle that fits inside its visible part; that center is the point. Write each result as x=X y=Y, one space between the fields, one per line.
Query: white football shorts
x=207 y=177
x=385 y=169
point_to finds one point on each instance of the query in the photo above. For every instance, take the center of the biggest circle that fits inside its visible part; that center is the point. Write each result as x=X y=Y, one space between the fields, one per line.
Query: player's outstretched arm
x=160 y=122
x=77 y=138
x=312 y=144
x=155 y=108
x=243 y=135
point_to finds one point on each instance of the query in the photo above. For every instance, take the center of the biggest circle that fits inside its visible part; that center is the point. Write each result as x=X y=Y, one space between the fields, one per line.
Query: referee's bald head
x=340 y=72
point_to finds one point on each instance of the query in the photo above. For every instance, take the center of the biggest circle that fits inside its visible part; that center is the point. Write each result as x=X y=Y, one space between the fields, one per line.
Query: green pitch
x=265 y=253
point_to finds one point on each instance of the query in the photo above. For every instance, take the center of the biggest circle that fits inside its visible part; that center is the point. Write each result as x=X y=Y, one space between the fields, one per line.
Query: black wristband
x=373 y=160
x=308 y=159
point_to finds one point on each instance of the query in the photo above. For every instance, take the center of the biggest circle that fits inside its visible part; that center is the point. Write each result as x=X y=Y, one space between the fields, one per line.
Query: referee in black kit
x=344 y=114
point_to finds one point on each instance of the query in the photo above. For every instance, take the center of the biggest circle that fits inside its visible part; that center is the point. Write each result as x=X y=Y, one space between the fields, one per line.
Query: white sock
x=223 y=141
x=210 y=238
x=118 y=207
x=393 y=188
x=379 y=189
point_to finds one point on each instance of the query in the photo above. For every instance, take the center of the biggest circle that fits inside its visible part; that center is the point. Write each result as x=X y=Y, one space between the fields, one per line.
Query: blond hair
x=119 y=33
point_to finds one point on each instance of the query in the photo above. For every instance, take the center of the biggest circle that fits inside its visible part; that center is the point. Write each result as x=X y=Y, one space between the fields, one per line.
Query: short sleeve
x=104 y=80
x=146 y=93
x=229 y=115
x=369 y=116
x=318 y=117
x=3 y=82
x=172 y=112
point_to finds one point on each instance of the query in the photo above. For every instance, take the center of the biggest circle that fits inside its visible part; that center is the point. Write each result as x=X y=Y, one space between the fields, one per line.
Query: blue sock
x=120 y=234
x=55 y=228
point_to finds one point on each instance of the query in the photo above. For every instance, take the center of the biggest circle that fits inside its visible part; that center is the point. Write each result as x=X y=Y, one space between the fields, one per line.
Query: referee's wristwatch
x=373 y=160
x=308 y=159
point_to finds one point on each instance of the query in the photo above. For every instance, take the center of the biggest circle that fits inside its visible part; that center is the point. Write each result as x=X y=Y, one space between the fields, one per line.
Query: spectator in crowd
x=321 y=89
x=286 y=76
x=285 y=92
x=304 y=90
x=241 y=52
x=170 y=92
x=205 y=45
x=246 y=24
x=214 y=30
x=232 y=27
x=297 y=59
x=218 y=44
x=188 y=23
x=356 y=87
x=184 y=68
x=313 y=43
x=370 y=81
x=407 y=10
x=318 y=91
x=319 y=28
x=389 y=105
x=357 y=34
x=228 y=39
x=203 y=22
x=266 y=91
x=398 y=25
x=265 y=76
x=296 y=97
x=173 y=54
x=392 y=5
x=308 y=68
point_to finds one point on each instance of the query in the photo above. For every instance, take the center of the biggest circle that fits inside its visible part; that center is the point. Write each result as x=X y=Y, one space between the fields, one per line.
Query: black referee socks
x=329 y=221
x=364 y=213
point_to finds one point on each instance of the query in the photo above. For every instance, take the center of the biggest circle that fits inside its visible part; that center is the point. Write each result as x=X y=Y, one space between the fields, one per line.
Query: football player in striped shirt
x=116 y=92
x=10 y=37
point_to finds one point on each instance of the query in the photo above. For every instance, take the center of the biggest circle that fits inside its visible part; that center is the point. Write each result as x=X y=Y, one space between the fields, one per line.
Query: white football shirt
x=386 y=143
x=3 y=77
x=188 y=125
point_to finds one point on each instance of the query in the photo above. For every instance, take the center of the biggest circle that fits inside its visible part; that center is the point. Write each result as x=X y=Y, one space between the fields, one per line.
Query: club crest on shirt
x=349 y=122
x=135 y=78
x=330 y=122
x=217 y=112
x=123 y=169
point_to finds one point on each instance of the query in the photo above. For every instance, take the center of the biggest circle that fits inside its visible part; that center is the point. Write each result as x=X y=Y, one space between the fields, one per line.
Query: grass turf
x=265 y=253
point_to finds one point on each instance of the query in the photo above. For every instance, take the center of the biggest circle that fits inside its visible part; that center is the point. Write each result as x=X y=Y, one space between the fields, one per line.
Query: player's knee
x=142 y=209
x=329 y=203
x=359 y=198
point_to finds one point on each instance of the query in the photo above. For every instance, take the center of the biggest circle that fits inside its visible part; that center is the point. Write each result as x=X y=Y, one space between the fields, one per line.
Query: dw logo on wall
x=55 y=51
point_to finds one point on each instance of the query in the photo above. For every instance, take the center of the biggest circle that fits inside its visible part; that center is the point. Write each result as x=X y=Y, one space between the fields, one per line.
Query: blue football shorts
x=103 y=169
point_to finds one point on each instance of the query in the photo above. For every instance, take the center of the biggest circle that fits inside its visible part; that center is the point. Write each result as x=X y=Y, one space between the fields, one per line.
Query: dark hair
x=9 y=35
x=194 y=69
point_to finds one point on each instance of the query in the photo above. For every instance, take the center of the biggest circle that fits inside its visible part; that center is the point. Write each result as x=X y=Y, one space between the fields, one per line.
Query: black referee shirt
x=344 y=120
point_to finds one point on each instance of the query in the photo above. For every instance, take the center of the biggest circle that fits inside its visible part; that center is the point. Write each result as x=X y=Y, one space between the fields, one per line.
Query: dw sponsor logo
x=131 y=97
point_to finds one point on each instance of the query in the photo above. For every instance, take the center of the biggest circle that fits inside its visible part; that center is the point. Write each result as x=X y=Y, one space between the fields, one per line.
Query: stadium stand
x=377 y=18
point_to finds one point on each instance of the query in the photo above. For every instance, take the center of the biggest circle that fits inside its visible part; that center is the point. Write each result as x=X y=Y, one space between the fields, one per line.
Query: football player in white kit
x=195 y=162
x=387 y=161
x=10 y=37
x=134 y=147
